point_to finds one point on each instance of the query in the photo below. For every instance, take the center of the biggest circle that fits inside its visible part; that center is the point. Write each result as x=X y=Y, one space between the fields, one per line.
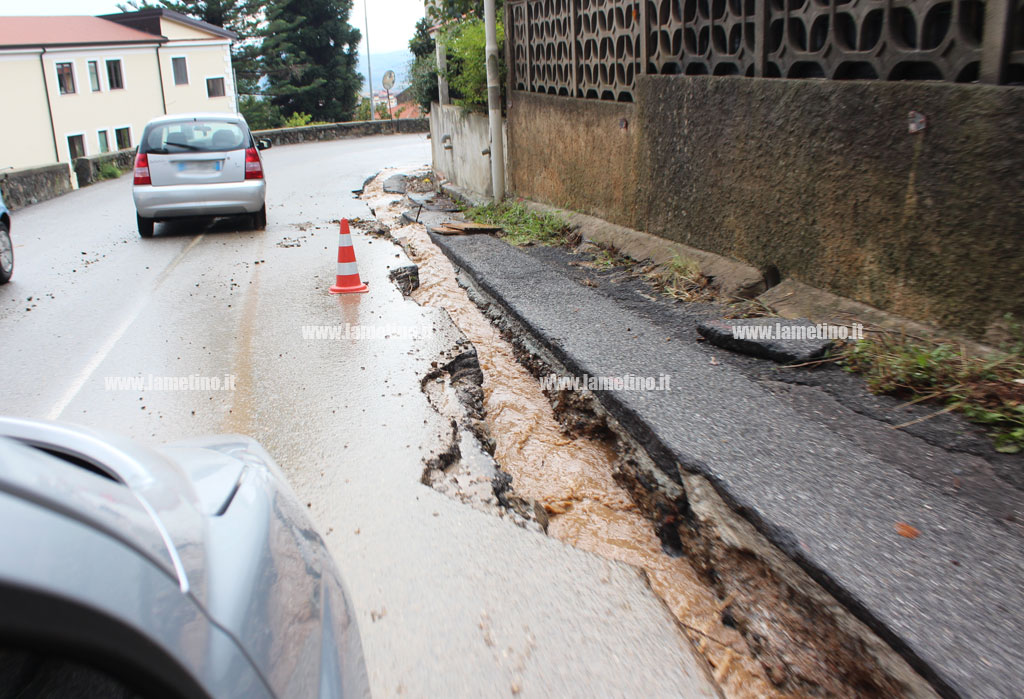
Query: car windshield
x=205 y=135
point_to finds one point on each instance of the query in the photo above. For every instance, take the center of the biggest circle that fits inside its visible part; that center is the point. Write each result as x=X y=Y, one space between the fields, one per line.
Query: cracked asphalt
x=811 y=478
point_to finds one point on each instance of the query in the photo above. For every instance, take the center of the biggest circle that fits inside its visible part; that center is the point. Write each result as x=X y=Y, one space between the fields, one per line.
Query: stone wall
x=87 y=169
x=822 y=181
x=32 y=185
x=333 y=132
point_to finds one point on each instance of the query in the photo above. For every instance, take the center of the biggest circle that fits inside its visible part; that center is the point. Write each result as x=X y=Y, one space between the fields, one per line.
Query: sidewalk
x=950 y=601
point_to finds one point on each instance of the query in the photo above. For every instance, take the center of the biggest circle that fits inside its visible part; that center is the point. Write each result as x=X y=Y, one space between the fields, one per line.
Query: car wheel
x=145 y=226
x=6 y=254
x=259 y=219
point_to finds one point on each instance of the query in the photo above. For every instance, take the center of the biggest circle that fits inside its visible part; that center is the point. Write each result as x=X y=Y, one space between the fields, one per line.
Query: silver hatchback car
x=189 y=571
x=198 y=165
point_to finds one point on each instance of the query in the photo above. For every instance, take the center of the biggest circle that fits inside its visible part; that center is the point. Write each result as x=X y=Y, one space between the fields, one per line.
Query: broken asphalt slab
x=950 y=601
x=722 y=333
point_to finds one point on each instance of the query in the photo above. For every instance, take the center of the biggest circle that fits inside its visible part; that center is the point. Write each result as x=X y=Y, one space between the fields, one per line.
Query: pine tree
x=309 y=54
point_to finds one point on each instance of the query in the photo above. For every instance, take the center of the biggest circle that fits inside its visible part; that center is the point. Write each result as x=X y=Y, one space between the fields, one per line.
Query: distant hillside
x=397 y=61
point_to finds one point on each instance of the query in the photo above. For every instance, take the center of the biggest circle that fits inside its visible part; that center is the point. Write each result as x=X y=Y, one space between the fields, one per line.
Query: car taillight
x=253 y=164
x=142 y=169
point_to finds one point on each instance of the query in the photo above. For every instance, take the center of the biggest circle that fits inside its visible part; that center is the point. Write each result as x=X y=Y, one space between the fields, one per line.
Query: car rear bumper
x=222 y=199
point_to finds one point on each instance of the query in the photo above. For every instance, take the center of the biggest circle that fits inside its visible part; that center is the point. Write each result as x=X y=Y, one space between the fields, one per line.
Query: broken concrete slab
x=396 y=184
x=433 y=201
x=427 y=217
x=778 y=339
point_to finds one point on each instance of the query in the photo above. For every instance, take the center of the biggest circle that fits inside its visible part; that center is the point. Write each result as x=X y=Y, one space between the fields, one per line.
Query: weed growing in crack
x=987 y=390
x=681 y=279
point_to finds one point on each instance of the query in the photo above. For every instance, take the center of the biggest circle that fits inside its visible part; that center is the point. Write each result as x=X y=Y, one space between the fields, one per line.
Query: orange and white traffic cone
x=347 y=281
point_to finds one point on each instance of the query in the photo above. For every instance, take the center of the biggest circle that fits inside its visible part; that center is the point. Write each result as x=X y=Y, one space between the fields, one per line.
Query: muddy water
x=570 y=477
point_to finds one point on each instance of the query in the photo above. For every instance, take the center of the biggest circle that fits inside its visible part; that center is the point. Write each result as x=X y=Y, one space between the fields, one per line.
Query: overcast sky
x=392 y=22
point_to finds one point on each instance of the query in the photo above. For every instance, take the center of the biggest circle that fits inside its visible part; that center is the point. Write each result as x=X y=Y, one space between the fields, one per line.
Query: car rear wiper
x=183 y=145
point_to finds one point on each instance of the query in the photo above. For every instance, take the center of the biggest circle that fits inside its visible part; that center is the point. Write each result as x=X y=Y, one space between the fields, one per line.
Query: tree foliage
x=309 y=56
x=422 y=43
x=259 y=112
x=466 y=46
x=423 y=68
x=453 y=10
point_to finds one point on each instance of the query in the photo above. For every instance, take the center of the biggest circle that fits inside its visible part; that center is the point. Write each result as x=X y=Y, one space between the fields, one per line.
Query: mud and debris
x=289 y=242
x=561 y=477
x=806 y=642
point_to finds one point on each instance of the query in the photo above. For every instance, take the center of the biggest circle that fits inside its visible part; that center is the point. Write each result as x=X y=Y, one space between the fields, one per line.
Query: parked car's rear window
x=194 y=136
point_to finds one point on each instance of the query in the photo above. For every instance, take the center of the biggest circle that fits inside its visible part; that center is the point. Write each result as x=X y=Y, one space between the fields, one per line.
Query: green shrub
x=108 y=171
x=466 y=47
x=362 y=112
x=260 y=113
x=423 y=81
x=297 y=119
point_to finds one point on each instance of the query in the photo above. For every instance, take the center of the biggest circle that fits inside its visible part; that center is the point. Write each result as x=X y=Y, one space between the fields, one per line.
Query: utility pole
x=369 y=69
x=494 y=102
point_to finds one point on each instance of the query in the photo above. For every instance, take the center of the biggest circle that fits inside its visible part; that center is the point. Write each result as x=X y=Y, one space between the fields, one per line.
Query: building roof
x=149 y=21
x=22 y=32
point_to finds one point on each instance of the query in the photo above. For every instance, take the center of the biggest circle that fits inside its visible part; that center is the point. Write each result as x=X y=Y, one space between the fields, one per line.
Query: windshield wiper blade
x=183 y=145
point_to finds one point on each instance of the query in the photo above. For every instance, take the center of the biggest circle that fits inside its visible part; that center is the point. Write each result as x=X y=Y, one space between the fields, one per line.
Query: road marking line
x=113 y=339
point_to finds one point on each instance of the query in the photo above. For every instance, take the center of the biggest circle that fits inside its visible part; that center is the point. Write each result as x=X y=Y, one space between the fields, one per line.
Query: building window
x=94 y=76
x=180 y=70
x=123 y=137
x=76 y=146
x=65 y=79
x=104 y=143
x=115 y=80
x=215 y=87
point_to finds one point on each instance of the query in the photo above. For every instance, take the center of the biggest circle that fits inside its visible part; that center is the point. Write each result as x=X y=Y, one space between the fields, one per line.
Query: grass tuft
x=987 y=390
x=682 y=279
x=521 y=225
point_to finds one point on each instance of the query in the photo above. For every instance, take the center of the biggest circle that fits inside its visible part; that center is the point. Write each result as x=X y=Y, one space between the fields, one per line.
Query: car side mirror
x=264 y=143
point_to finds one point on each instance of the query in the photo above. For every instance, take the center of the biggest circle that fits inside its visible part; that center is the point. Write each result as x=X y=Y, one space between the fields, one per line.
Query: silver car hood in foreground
x=217 y=516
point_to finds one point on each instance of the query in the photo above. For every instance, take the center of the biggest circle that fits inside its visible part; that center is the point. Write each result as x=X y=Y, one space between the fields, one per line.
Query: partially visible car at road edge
x=6 y=246
x=188 y=570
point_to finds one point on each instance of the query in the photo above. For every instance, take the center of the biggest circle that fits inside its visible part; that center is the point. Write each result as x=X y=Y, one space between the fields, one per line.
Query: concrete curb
x=734 y=278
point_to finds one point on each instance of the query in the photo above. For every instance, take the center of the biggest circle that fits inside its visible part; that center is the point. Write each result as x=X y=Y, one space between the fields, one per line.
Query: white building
x=77 y=86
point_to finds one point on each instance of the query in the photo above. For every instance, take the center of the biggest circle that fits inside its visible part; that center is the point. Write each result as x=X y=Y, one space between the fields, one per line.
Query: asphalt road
x=450 y=601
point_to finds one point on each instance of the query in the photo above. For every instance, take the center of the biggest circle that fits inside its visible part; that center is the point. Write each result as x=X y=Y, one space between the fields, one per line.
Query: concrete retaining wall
x=88 y=169
x=458 y=139
x=32 y=185
x=333 y=132
x=821 y=180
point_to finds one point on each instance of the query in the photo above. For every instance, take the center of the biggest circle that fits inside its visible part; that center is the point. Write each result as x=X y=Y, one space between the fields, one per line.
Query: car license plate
x=199 y=165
